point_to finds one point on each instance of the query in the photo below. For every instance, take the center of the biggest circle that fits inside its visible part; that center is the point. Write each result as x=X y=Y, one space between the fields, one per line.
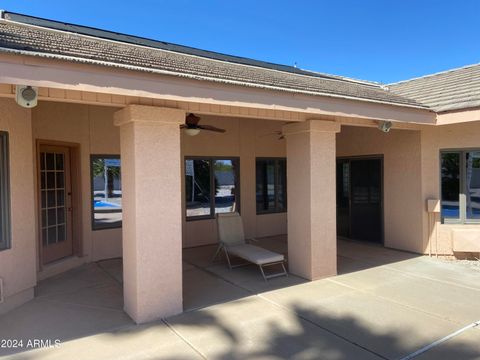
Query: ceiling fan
x=278 y=133
x=192 y=127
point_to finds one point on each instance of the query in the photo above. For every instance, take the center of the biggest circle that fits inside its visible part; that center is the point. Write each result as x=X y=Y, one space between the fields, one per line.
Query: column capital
x=149 y=114
x=311 y=126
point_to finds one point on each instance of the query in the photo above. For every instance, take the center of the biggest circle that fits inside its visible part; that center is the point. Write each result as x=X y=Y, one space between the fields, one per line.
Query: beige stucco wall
x=18 y=264
x=403 y=204
x=247 y=139
x=434 y=139
x=92 y=128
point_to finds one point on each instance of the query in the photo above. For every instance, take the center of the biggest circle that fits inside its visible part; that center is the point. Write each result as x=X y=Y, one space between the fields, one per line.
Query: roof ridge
x=172 y=47
x=435 y=74
x=304 y=73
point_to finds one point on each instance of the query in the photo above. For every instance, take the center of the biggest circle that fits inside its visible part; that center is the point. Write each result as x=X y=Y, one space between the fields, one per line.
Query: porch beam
x=312 y=233
x=152 y=215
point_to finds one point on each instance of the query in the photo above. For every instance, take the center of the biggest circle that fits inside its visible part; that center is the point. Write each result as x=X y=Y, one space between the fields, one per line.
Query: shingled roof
x=32 y=36
x=445 y=91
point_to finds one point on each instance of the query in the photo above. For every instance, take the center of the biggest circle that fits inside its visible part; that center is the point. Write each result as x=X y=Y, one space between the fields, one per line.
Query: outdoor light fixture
x=192 y=132
x=385 y=126
x=26 y=96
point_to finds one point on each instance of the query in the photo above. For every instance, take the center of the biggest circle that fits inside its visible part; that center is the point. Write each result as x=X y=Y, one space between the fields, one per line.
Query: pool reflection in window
x=106 y=191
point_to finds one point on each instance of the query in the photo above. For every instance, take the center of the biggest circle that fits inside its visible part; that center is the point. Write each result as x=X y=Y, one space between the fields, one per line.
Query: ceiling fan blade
x=183 y=126
x=192 y=120
x=272 y=133
x=211 y=128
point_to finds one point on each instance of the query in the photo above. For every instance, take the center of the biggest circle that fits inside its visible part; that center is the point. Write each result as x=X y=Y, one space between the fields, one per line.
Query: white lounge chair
x=233 y=243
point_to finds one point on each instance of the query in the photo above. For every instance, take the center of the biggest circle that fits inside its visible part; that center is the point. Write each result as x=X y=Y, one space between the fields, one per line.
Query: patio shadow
x=247 y=329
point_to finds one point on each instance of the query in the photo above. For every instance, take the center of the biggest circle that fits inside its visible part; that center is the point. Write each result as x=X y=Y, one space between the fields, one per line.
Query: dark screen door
x=343 y=198
x=359 y=202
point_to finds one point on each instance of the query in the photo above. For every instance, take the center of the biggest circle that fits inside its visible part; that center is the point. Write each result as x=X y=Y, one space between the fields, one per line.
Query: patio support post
x=311 y=182
x=152 y=215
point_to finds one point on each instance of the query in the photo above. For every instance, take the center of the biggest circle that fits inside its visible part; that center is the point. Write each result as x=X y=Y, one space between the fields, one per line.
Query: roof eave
x=204 y=78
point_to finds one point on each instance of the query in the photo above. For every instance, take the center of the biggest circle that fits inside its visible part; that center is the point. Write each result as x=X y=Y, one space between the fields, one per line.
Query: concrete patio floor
x=384 y=304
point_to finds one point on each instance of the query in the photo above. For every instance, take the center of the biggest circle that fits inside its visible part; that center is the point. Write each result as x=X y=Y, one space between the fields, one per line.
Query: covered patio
x=120 y=152
x=135 y=121
x=369 y=311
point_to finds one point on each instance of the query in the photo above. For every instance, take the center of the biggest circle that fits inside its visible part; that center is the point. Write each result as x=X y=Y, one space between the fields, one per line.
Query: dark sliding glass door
x=359 y=199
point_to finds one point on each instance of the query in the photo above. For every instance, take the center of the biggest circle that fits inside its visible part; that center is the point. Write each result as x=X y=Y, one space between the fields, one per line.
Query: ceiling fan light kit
x=192 y=128
x=192 y=132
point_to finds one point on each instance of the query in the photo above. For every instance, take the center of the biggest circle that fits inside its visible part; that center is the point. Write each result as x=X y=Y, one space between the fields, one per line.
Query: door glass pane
x=44 y=199
x=50 y=179
x=59 y=162
x=473 y=184
x=52 y=196
x=107 y=191
x=60 y=184
x=450 y=163
x=52 y=235
x=197 y=187
x=50 y=158
x=42 y=161
x=225 y=190
x=51 y=217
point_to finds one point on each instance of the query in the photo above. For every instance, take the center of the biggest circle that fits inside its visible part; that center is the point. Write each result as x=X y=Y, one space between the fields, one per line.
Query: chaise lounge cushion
x=255 y=254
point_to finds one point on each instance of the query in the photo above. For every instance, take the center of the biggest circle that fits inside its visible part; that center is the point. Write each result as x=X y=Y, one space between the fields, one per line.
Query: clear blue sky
x=380 y=40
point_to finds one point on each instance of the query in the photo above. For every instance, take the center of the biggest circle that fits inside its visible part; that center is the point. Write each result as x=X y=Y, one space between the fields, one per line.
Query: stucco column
x=311 y=182
x=152 y=215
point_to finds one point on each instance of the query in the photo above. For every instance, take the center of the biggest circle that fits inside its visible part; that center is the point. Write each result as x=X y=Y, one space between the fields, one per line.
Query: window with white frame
x=460 y=186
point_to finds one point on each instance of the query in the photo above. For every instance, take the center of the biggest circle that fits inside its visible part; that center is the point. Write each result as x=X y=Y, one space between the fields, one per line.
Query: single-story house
x=100 y=157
